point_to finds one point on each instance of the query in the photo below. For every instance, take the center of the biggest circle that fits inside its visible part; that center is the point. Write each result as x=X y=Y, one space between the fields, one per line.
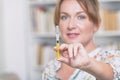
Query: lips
x=73 y=35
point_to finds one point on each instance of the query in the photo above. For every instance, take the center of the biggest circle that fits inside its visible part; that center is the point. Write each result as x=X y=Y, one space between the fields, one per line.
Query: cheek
x=62 y=27
x=62 y=30
x=86 y=27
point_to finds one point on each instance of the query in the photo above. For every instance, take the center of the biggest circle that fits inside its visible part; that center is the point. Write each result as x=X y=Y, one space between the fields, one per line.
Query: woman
x=81 y=59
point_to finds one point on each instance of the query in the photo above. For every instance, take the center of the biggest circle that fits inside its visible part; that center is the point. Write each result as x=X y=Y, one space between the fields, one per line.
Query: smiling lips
x=73 y=35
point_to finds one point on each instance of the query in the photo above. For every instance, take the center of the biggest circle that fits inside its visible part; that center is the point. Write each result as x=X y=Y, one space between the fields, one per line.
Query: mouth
x=73 y=35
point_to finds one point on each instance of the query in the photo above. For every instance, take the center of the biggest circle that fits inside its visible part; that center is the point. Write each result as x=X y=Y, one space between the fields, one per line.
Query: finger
x=64 y=50
x=82 y=51
x=54 y=48
x=63 y=59
x=70 y=50
x=81 y=48
x=63 y=47
x=76 y=48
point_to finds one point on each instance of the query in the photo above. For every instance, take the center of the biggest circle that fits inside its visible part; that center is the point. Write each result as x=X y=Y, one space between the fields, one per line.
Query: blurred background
x=27 y=35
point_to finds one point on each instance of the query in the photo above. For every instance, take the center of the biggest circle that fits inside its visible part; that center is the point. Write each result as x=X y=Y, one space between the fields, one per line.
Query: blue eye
x=81 y=17
x=64 y=17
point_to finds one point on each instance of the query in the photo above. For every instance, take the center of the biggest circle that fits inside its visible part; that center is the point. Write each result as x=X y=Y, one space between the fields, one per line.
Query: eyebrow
x=79 y=12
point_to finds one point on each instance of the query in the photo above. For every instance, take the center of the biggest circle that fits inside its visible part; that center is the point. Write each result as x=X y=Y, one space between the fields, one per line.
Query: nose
x=71 y=24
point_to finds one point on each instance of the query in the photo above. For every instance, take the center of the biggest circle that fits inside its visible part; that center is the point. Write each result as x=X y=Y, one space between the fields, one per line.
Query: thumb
x=63 y=59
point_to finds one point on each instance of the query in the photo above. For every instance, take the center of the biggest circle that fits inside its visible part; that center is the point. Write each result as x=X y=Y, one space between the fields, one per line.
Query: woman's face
x=75 y=25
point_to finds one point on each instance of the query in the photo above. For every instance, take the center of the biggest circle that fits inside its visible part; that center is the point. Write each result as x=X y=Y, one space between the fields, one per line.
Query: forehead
x=70 y=6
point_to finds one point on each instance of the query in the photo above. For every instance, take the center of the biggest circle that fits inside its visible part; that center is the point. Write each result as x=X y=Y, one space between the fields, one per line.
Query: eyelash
x=81 y=17
x=64 y=17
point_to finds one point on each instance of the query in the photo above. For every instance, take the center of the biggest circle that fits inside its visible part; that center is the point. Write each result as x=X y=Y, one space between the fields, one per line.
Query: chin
x=71 y=41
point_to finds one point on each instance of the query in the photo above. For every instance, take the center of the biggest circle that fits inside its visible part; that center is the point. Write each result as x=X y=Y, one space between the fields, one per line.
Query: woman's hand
x=74 y=55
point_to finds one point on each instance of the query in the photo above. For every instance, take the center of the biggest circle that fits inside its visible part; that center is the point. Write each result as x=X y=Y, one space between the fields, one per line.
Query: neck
x=90 y=47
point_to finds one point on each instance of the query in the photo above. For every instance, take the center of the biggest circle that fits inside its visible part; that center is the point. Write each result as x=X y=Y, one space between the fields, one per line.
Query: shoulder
x=108 y=52
x=113 y=58
x=107 y=55
x=50 y=69
x=110 y=56
x=53 y=65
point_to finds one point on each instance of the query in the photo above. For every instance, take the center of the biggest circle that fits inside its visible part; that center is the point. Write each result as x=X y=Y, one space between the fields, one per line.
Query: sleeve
x=114 y=61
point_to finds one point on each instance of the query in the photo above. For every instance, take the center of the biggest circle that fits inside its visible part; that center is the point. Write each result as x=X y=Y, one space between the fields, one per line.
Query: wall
x=15 y=37
x=2 y=65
